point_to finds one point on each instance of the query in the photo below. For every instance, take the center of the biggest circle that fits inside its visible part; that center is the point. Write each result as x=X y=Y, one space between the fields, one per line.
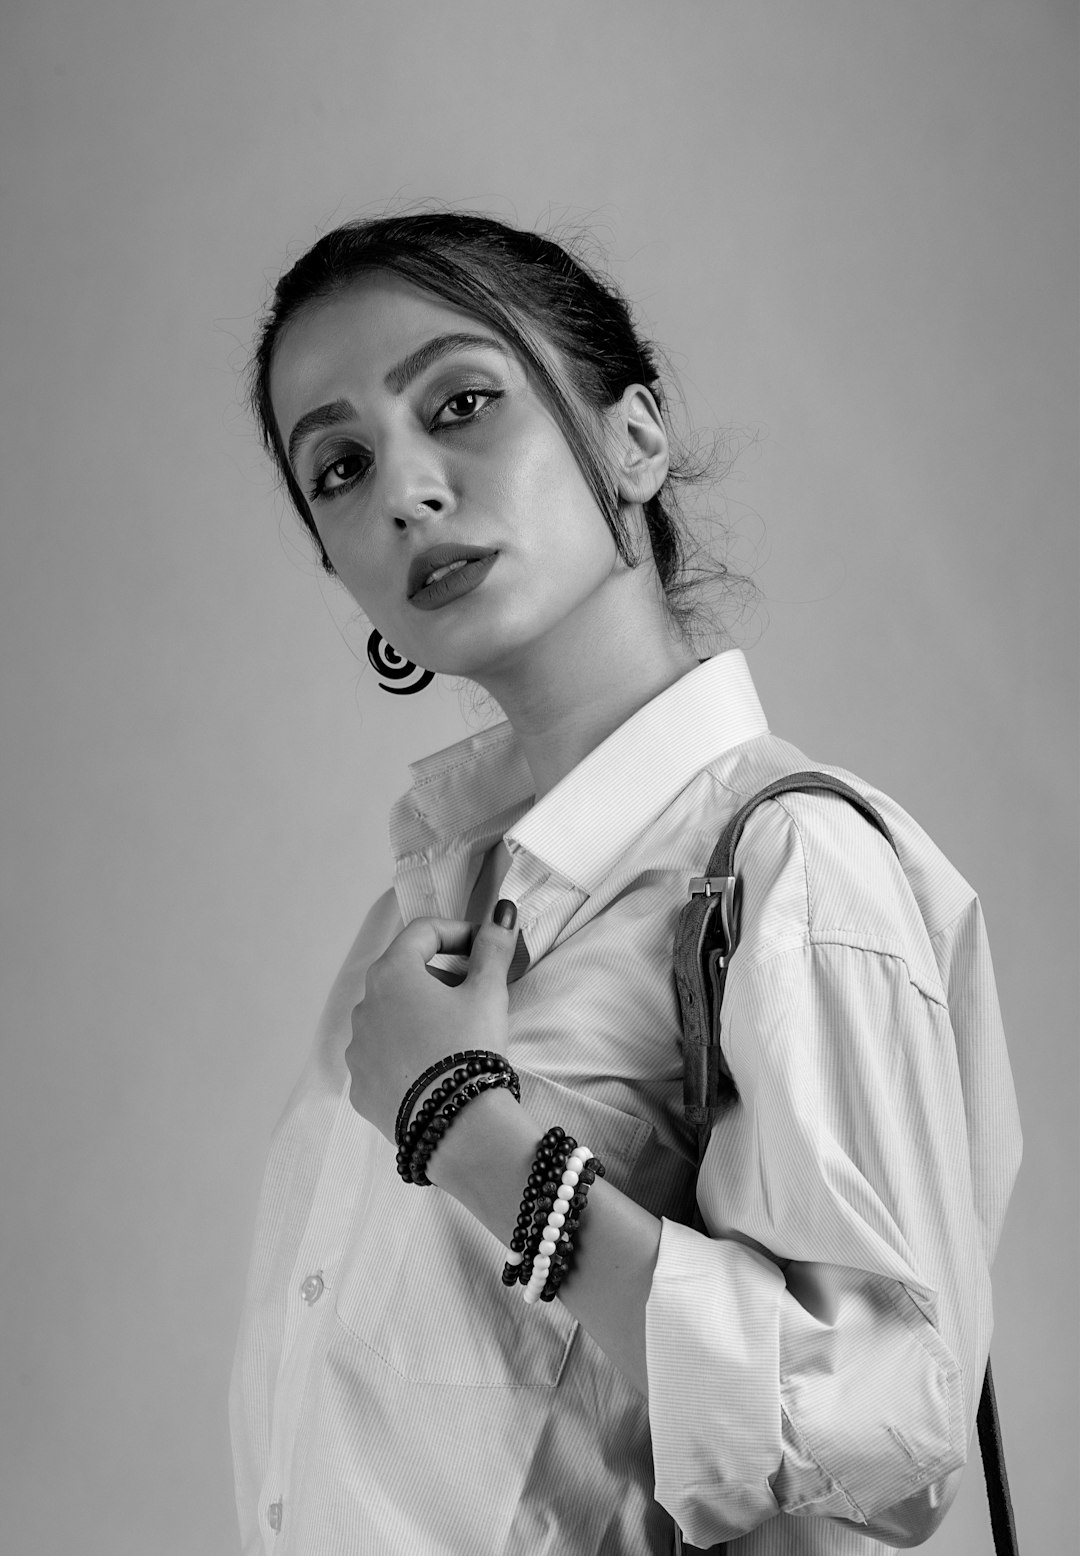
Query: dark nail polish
x=505 y=914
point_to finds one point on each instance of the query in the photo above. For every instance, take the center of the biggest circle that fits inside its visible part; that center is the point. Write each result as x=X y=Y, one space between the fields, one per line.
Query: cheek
x=354 y=551
x=554 y=514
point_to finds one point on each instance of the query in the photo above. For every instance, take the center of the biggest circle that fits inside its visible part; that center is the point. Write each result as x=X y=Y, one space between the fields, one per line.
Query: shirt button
x=312 y=1289
x=273 y=1516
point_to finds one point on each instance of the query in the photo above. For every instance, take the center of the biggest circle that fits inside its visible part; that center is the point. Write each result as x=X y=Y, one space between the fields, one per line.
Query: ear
x=642 y=454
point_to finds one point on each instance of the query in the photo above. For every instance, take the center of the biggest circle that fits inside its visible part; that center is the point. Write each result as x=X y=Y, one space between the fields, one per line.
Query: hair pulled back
x=570 y=328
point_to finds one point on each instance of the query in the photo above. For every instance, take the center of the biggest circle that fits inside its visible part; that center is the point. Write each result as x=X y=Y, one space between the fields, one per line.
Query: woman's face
x=444 y=492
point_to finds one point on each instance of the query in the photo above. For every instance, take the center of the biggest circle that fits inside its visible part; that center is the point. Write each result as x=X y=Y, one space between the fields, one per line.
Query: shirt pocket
x=420 y=1283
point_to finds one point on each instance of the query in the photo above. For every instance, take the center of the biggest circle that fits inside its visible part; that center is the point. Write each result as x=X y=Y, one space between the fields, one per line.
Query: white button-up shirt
x=814 y=1365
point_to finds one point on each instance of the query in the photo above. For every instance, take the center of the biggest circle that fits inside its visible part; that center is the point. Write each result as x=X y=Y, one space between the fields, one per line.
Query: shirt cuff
x=756 y=1407
x=712 y=1347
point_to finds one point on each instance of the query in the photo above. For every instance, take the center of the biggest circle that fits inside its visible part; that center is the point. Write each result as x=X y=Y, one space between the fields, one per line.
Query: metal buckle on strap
x=723 y=887
x=707 y=885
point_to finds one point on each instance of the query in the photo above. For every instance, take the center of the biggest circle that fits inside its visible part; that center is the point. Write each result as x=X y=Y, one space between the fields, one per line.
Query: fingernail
x=505 y=914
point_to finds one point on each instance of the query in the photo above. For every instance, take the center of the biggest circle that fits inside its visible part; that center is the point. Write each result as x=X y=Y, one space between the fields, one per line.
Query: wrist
x=484 y=1160
x=460 y=1079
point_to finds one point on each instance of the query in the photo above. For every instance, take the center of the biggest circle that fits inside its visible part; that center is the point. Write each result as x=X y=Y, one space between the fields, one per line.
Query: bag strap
x=1002 y=1521
x=707 y=934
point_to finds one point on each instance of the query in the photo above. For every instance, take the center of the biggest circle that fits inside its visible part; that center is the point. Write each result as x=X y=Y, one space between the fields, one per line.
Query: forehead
x=345 y=344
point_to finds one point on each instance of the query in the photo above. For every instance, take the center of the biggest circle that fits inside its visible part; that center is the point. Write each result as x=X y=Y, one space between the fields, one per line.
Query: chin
x=476 y=650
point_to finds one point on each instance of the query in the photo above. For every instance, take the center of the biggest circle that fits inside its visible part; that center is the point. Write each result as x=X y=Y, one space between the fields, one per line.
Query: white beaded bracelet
x=553 y=1233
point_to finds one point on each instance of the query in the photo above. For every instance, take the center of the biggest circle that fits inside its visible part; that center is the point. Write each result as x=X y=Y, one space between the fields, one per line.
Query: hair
x=571 y=328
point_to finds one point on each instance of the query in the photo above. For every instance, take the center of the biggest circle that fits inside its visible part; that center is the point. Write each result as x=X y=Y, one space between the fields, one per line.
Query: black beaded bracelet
x=544 y=1203
x=538 y=1232
x=414 y=1168
x=556 y=1145
x=434 y=1070
x=485 y=1063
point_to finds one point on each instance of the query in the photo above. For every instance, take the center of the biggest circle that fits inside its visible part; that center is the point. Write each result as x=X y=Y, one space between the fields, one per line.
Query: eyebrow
x=397 y=379
x=331 y=415
x=410 y=367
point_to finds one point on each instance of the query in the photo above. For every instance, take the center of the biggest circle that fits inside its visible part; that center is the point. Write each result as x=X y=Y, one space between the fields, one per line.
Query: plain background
x=854 y=226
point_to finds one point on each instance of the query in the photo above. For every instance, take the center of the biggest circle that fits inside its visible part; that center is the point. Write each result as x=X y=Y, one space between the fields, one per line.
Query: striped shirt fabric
x=814 y=1364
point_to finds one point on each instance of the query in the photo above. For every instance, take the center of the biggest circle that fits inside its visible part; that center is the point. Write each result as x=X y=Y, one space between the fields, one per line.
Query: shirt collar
x=587 y=821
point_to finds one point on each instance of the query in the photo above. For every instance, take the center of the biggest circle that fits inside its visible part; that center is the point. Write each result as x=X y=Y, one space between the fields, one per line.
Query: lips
x=438 y=557
x=452 y=579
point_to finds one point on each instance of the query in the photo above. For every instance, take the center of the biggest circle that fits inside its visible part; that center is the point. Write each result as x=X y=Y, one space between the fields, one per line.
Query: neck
x=575 y=687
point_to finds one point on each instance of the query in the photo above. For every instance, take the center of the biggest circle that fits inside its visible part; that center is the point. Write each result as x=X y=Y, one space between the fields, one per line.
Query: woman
x=474 y=435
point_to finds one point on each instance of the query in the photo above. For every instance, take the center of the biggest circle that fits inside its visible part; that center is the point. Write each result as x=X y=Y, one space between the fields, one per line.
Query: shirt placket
x=311 y=1282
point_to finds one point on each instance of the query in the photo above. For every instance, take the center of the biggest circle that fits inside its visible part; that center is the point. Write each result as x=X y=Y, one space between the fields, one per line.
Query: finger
x=493 y=947
x=426 y=937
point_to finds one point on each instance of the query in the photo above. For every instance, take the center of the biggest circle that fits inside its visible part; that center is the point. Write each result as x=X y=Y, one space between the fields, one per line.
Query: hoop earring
x=386 y=661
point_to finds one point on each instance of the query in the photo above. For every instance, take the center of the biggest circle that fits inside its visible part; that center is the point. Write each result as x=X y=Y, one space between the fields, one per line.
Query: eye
x=339 y=475
x=466 y=405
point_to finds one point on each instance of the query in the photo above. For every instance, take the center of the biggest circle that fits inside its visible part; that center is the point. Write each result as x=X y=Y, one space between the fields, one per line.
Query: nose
x=415 y=487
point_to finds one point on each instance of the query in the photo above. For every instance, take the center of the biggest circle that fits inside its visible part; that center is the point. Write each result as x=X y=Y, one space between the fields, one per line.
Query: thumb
x=493 y=947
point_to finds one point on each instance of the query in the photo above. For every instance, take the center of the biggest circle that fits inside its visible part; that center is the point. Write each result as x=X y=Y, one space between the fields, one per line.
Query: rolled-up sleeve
x=819 y=1352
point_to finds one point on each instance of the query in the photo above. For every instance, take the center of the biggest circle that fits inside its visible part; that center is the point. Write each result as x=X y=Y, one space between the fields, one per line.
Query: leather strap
x=992 y=1448
x=706 y=937
x=722 y=861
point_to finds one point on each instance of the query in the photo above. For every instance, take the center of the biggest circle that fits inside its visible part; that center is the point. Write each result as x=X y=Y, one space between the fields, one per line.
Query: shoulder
x=813 y=871
x=325 y=1073
x=381 y=924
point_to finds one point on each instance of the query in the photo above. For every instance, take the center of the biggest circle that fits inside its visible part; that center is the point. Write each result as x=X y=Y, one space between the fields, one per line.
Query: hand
x=410 y=1017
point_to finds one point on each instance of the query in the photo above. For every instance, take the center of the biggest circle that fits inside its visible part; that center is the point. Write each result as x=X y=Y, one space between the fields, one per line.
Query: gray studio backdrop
x=854 y=227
